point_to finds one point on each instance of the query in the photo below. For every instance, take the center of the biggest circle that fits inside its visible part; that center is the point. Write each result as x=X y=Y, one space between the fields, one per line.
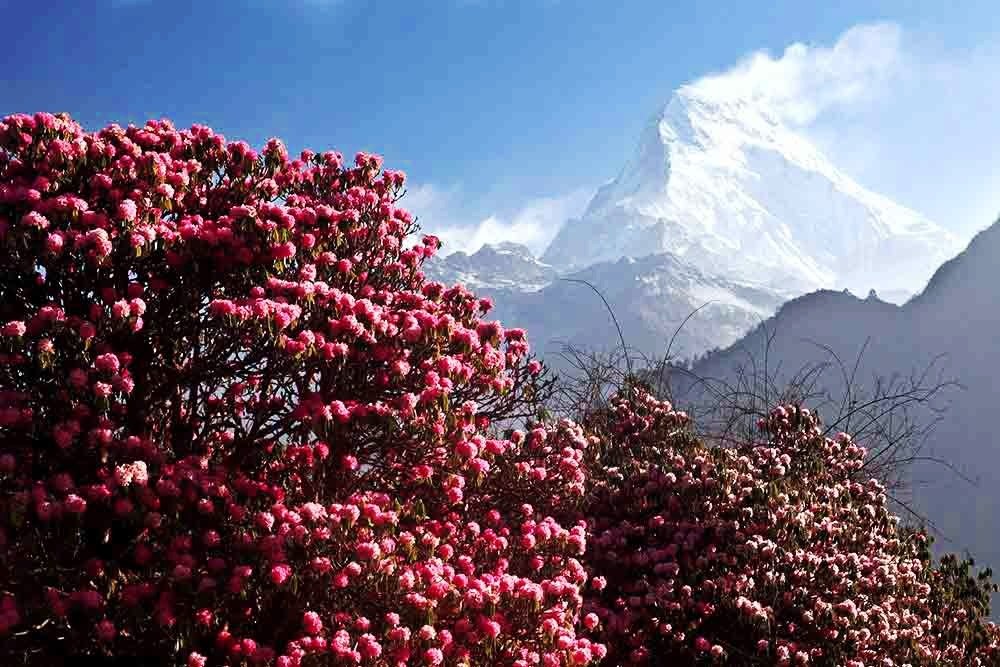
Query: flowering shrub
x=238 y=426
x=772 y=553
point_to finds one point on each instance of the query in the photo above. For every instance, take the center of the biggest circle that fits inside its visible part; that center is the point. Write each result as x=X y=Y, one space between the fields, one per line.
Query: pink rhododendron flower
x=235 y=400
x=14 y=329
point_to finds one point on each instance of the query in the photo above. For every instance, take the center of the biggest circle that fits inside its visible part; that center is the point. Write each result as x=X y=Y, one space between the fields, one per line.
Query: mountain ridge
x=724 y=183
x=723 y=197
x=950 y=328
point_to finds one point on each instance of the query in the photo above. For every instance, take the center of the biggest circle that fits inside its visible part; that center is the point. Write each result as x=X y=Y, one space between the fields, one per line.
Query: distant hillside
x=956 y=321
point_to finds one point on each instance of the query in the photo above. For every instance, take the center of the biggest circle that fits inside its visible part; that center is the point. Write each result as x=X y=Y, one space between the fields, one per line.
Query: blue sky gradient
x=501 y=102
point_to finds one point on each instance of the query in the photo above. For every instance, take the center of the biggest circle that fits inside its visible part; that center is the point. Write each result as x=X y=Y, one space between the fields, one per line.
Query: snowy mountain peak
x=506 y=248
x=504 y=265
x=723 y=183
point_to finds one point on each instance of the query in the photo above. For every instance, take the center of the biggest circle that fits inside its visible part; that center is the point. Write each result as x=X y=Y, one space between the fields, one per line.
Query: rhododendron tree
x=775 y=552
x=239 y=426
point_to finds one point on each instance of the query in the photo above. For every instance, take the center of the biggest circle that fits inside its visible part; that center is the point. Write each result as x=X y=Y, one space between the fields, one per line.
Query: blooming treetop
x=238 y=426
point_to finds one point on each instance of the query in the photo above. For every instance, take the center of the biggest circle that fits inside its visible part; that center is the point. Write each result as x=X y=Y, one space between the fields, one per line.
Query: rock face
x=725 y=186
x=651 y=297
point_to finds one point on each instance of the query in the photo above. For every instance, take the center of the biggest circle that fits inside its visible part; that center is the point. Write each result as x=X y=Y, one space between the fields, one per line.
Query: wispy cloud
x=806 y=80
x=895 y=108
x=534 y=223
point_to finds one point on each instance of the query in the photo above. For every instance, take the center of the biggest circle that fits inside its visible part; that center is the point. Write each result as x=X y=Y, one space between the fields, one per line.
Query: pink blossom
x=36 y=220
x=280 y=573
x=106 y=630
x=127 y=210
x=312 y=623
x=54 y=242
x=284 y=250
x=107 y=363
x=14 y=329
x=75 y=504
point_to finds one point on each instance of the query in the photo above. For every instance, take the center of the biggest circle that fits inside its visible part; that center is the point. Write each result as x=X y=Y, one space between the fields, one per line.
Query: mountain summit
x=724 y=184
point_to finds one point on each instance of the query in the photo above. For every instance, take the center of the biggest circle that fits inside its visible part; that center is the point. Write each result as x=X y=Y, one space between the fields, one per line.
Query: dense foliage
x=237 y=423
x=239 y=426
x=774 y=552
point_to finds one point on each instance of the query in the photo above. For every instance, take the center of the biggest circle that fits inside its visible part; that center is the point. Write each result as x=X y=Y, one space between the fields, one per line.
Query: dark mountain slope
x=954 y=325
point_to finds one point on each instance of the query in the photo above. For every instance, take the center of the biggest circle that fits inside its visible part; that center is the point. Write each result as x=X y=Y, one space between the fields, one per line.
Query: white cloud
x=440 y=211
x=806 y=80
x=931 y=139
x=902 y=112
x=430 y=202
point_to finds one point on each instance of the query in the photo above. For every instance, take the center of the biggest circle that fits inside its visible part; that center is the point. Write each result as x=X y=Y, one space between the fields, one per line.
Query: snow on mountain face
x=721 y=203
x=507 y=266
x=651 y=298
x=724 y=185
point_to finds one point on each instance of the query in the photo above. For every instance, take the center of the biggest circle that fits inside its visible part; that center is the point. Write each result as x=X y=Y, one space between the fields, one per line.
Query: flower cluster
x=768 y=553
x=239 y=426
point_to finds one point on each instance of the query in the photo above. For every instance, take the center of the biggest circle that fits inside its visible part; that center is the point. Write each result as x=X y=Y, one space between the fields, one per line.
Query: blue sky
x=506 y=113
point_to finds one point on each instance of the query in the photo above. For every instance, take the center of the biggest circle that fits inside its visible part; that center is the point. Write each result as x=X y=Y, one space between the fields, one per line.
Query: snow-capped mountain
x=722 y=204
x=724 y=185
x=650 y=296
x=507 y=266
